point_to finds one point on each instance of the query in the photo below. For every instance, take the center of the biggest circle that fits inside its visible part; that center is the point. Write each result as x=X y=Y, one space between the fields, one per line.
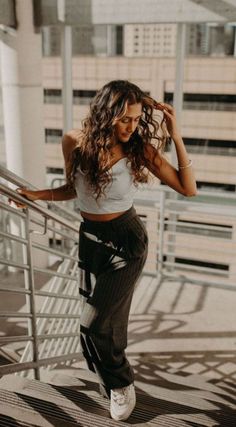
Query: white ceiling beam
x=119 y=12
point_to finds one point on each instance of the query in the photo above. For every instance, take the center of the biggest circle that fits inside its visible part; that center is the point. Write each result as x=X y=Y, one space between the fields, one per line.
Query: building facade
x=209 y=109
x=159 y=40
x=208 y=121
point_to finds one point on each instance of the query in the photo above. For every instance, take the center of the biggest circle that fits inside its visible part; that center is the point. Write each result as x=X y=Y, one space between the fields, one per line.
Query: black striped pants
x=112 y=255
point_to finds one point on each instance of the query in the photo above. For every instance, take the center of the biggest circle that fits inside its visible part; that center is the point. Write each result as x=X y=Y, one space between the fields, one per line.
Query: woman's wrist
x=177 y=137
x=43 y=195
x=186 y=165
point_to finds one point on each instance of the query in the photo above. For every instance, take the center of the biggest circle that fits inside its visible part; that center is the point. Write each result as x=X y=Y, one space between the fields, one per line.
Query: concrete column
x=234 y=40
x=21 y=69
x=66 y=56
x=111 y=40
x=67 y=89
x=21 y=62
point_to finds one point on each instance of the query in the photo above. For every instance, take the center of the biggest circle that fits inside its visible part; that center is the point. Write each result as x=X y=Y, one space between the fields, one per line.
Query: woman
x=117 y=148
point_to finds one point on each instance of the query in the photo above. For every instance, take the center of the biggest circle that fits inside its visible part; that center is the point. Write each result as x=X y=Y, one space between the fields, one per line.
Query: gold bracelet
x=187 y=166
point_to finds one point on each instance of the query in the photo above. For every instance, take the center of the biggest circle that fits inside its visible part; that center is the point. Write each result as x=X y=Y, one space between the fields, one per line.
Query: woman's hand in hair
x=169 y=117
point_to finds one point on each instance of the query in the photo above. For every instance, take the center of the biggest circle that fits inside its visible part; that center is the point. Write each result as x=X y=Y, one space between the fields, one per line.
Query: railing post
x=32 y=304
x=161 y=235
x=178 y=105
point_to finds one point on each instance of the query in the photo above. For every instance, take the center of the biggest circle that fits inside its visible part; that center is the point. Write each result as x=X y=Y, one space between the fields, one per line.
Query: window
x=216 y=186
x=53 y=136
x=119 y=39
x=58 y=171
x=211 y=146
x=52 y=96
x=204 y=101
x=83 y=97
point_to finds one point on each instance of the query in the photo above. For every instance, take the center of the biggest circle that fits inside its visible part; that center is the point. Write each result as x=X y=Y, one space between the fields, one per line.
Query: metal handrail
x=36 y=207
x=12 y=178
x=40 y=321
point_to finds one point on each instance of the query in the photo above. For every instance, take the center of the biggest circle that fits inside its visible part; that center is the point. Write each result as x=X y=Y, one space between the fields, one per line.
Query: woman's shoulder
x=71 y=140
x=72 y=137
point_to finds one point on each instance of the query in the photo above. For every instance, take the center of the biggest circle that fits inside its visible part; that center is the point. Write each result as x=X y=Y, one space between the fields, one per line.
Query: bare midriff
x=101 y=217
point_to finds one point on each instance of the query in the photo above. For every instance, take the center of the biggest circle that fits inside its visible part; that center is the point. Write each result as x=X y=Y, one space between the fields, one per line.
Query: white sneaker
x=123 y=401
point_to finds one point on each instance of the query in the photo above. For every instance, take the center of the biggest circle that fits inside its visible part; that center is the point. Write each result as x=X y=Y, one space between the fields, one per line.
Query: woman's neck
x=117 y=149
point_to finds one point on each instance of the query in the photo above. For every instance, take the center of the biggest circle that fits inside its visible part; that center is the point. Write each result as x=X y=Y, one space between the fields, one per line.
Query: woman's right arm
x=64 y=192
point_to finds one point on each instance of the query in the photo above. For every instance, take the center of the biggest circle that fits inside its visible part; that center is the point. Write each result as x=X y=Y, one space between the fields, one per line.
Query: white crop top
x=119 y=193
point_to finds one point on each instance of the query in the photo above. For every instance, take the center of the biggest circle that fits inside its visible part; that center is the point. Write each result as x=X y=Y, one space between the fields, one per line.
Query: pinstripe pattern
x=112 y=255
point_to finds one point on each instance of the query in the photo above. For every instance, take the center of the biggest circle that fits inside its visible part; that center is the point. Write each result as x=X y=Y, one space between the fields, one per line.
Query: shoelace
x=120 y=396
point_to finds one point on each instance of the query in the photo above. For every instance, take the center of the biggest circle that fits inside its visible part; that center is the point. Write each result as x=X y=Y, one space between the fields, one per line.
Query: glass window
x=83 y=97
x=52 y=96
x=211 y=146
x=205 y=101
x=53 y=136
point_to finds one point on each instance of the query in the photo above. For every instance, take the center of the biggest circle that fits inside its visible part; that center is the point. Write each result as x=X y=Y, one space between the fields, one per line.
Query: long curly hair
x=93 y=152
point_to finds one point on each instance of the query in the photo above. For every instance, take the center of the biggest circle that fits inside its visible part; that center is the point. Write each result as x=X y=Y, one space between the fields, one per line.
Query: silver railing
x=190 y=239
x=50 y=316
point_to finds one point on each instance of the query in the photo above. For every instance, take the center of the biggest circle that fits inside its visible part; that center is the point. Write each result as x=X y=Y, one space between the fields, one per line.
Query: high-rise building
x=149 y=40
x=98 y=40
x=152 y=40
x=160 y=40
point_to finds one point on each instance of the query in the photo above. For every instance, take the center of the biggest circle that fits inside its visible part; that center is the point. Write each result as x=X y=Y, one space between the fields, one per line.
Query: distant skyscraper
x=99 y=40
x=221 y=40
x=150 y=40
x=159 y=40
x=197 y=39
x=140 y=40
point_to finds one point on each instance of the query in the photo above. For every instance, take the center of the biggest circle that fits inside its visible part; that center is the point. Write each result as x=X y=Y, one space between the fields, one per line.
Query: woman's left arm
x=181 y=180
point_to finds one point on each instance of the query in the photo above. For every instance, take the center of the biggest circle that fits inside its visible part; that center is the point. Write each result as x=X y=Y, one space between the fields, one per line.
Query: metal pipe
x=23 y=338
x=55 y=252
x=13 y=237
x=161 y=235
x=54 y=273
x=13 y=264
x=57 y=231
x=14 y=290
x=18 y=367
x=32 y=302
x=6 y=314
